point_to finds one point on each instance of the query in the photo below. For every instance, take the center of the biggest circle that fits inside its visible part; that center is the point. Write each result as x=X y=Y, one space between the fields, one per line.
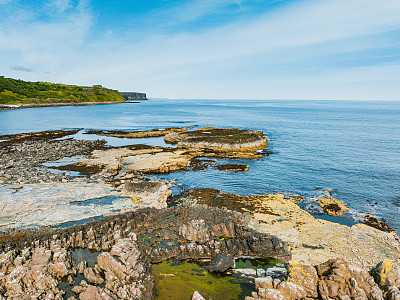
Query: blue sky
x=221 y=49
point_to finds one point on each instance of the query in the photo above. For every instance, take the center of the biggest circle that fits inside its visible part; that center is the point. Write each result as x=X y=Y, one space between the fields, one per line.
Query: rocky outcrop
x=332 y=206
x=334 y=279
x=21 y=156
x=137 y=134
x=220 y=139
x=311 y=239
x=34 y=263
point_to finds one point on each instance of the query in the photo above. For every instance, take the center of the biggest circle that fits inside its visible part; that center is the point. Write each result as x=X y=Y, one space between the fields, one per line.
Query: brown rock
x=40 y=257
x=393 y=293
x=233 y=168
x=338 y=279
x=95 y=293
x=112 y=268
x=83 y=285
x=306 y=277
x=81 y=267
x=196 y=231
x=332 y=206
x=386 y=274
x=93 y=276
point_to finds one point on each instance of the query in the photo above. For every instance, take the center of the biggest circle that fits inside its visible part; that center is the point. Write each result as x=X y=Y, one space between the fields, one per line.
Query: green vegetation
x=179 y=280
x=13 y=91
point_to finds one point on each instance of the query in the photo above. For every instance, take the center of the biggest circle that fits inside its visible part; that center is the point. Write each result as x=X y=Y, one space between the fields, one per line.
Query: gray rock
x=221 y=263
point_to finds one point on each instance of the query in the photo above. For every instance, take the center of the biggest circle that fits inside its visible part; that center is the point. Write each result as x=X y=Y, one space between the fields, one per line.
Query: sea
x=350 y=148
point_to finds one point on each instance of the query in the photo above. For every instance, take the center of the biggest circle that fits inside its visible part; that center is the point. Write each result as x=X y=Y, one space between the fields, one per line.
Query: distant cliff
x=13 y=91
x=133 y=96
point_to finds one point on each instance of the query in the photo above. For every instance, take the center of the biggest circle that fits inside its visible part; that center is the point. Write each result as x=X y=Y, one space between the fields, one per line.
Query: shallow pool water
x=179 y=280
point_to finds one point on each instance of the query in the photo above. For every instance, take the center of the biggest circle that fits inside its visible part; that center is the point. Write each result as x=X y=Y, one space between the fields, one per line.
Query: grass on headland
x=13 y=91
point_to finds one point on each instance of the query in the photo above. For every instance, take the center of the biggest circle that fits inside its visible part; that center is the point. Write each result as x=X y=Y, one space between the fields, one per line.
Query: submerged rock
x=233 y=168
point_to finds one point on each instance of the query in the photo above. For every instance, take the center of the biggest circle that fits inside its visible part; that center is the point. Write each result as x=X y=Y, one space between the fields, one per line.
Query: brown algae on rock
x=332 y=206
x=219 y=139
x=311 y=239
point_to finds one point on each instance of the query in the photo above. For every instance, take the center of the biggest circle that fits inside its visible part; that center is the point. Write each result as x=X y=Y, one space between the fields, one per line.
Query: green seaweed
x=179 y=280
x=256 y=263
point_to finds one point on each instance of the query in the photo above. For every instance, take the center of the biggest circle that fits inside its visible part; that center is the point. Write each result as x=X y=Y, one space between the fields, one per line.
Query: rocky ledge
x=311 y=239
x=43 y=263
x=333 y=279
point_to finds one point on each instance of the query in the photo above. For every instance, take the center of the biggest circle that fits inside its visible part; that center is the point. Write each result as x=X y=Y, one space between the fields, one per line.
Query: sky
x=208 y=49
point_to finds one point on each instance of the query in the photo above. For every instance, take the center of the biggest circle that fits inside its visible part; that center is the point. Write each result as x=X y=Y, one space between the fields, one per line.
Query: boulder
x=221 y=263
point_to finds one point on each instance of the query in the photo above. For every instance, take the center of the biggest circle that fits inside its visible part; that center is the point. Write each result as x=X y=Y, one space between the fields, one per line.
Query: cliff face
x=133 y=96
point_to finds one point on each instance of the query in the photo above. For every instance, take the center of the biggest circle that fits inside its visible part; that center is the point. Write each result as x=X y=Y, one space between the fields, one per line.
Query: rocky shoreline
x=101 y=205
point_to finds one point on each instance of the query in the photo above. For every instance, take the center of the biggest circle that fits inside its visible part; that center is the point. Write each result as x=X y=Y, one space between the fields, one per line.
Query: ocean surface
x=352 y=147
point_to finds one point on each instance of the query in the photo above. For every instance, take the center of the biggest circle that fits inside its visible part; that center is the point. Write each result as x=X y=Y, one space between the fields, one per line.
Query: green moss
x=179 y=280
x=14 y=91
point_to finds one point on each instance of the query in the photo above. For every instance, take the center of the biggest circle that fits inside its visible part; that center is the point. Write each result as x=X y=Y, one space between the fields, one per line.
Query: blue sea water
x=352 y=147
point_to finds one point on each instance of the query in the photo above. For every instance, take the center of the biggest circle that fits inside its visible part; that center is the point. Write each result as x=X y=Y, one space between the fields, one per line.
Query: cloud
x=59 y=5
x=304 y=49
x=21 y=68
x=45 y=35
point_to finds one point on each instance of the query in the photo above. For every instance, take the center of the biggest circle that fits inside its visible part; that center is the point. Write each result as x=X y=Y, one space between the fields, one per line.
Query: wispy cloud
x=21 y=68
x=47 y=35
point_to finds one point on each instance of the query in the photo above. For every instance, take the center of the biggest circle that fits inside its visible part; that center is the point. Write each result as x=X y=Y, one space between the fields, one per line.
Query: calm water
x=351 y=147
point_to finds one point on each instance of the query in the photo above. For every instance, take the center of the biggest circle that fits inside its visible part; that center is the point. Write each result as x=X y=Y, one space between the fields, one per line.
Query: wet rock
x=221 y=263
x=332 y=206
x=370 y=220
x=233 y=168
